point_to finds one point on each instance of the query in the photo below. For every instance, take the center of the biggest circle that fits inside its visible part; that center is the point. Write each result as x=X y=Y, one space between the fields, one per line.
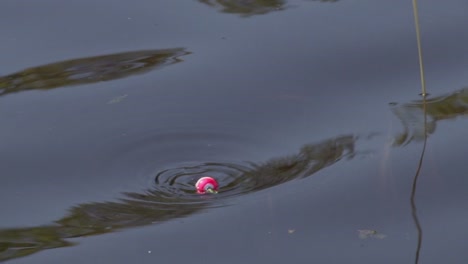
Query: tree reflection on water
x=89 y=70
x=248 y=8
x=437 y=108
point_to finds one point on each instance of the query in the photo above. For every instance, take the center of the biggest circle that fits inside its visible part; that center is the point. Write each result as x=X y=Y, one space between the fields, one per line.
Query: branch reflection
x=248 y=8
x=89 y=70
x=438 y=108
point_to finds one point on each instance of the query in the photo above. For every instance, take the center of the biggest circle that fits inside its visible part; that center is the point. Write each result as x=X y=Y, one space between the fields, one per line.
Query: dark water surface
x=307 y=112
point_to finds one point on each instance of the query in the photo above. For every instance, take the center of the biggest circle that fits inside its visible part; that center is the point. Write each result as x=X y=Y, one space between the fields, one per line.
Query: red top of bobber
x=206 y=185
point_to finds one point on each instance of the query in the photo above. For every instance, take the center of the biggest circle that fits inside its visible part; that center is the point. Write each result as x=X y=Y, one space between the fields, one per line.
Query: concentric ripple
x=176 y=184
x=179 y=182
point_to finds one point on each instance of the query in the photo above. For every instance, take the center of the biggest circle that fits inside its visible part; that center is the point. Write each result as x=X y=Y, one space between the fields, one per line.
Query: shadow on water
x=171 y=198
x=248 y=8
x=89 y=70
x=411 y=115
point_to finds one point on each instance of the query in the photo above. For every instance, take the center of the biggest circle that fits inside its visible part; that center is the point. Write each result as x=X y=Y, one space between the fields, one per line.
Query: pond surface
x=307 y=112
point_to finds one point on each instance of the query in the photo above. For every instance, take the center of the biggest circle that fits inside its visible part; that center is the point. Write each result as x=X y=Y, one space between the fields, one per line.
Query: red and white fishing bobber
x=206 y=185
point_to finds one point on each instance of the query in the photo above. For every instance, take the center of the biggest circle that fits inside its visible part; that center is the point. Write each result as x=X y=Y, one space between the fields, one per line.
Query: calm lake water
x=307 y=112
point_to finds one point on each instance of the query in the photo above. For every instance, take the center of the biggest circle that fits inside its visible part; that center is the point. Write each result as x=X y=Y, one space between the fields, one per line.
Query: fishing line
x=414 y=212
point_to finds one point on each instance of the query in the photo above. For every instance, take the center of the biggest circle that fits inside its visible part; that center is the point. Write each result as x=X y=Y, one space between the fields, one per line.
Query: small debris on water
x=117 y=99
x=368 y=233
x=290 y=231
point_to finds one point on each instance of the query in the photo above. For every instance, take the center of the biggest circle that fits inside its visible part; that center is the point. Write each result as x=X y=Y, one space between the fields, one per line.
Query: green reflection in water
x=246 y=7
x=139 y=209
x=250 y=7
x=438 y=108
x=89 y=70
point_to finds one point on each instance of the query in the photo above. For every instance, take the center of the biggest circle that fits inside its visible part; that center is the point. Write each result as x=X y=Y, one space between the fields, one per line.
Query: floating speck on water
x=290 y=231
x=368 y=233
x=117 y=99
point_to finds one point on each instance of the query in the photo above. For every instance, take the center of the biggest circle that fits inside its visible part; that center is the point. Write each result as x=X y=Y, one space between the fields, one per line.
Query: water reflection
x=241 y=178
x=165 y=201
x=89 y=70
x=438 y=108
x=250 y=7
x=246 y=7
